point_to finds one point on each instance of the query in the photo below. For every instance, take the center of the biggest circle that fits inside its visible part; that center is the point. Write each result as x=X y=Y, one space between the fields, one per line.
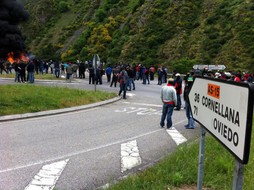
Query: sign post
x=238 y=176
x=225 y=110
x=201 y=159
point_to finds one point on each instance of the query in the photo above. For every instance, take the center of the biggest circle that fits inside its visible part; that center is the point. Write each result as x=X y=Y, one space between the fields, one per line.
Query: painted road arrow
x=47 y=176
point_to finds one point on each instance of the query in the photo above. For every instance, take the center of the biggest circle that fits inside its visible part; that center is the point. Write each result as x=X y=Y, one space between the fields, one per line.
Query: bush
x=101 y=15
x=63 y=6
x=183 y=65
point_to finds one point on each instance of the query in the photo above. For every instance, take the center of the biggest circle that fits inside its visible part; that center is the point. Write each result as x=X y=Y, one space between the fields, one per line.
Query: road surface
x=89 y=148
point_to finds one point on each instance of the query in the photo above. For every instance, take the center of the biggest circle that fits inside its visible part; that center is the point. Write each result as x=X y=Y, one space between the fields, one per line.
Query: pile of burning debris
x=12 y=46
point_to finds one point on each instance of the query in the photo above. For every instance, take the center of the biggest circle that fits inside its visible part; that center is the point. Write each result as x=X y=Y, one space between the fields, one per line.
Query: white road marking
x=176 y=136
x=143 y=104
x=130 y=94
x=139 y=111
x=83 y=151
x=79 y=152
x=129 y=155
x=47 y=176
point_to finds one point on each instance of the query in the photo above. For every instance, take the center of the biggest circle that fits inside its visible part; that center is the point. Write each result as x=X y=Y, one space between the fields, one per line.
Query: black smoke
x=12 y=13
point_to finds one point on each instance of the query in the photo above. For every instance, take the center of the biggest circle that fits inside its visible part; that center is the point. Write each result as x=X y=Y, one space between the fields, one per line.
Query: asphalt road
x=86 y=149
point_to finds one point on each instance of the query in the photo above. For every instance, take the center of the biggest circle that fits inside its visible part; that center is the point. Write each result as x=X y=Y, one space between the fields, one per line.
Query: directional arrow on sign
x=225 y=109
x=209 y=67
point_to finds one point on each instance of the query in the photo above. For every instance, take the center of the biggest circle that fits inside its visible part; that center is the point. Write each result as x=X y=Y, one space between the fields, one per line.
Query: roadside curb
x=55 y=112
x=75 y=80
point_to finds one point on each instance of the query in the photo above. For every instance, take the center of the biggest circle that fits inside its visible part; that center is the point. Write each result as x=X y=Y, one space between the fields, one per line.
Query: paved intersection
x=99 y=144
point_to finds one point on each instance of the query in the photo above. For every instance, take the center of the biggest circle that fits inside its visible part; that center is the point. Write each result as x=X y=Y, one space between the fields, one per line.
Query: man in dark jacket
x=191 y=122
x=30 y=70
x=22 y=65
x=91 y=73
x=123 y=80
x=178 y=87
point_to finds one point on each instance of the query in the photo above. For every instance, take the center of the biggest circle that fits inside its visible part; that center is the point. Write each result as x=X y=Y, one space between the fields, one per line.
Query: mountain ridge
x=158 y=32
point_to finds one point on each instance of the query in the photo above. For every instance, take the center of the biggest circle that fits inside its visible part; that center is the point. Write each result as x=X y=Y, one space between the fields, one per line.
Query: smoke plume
x=11 y=40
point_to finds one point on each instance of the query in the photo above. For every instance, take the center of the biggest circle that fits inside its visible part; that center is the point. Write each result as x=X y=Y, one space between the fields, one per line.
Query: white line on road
x=143 y=104
x=78 y=152
x=47 y=176
x=129 y=155
x=176 y=136
x=130 y=94
x=82 y=151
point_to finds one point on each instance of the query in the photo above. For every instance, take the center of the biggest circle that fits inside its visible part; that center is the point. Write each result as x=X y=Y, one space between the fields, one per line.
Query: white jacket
x=168 y=94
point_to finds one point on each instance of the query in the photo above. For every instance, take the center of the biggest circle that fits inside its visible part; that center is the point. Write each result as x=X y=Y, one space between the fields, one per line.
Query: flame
x=11 y=59
x=24 y=57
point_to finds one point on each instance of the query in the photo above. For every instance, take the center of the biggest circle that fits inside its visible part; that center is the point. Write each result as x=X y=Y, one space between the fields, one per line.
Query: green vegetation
x=37 y=76
x=26 y=98
x=181 y=168
x=148 y=32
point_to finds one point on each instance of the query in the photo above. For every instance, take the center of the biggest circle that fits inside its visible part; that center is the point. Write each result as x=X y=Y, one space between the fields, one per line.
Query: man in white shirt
x=169 y=100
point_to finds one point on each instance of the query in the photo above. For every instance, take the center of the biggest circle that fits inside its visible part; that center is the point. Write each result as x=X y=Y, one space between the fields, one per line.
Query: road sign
x=96 y=61
x=96 y=64
x=225 y=109
x=210 y=67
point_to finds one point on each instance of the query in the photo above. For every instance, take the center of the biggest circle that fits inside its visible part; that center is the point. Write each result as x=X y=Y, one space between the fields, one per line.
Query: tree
x=183 y=65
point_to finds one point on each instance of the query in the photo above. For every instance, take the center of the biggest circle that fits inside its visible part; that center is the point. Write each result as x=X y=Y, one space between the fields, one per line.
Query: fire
x=12 y=59
x=24 y=58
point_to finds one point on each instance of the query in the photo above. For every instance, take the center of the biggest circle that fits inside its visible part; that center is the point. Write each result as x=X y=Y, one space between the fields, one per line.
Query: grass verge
x=27 y=98
x=179 y=170
x=36 y=76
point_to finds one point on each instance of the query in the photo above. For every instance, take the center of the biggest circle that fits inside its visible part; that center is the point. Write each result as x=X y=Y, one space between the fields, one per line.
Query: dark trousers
x=108 y=77
x=179 y=102
x=123 y=87
x=91 y=79
x=114 y=81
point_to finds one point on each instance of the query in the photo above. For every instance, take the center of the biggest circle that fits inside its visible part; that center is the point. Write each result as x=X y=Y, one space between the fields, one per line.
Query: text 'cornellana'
x=224 y=111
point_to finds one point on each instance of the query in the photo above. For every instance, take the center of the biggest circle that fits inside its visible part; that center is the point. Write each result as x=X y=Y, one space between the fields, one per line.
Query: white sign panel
x=209 y=67
x=96 y=61
x=224 y=109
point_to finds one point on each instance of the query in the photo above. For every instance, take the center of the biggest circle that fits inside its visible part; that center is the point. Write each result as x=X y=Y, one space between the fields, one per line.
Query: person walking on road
x=191 y=122
x=131 y=74
x=69 y=72
x=109 y=71
x=123 y=80
x=169 y=100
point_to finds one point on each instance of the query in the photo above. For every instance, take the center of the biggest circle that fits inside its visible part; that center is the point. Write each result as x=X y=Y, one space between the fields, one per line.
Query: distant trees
x=173 y=33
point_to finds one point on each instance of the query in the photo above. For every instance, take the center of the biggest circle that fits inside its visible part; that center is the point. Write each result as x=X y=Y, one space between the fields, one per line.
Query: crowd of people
x=78 y=70
x=171 y=93
x=171 y=99
x=125 y=76
x=25 y=72
x=238 y=76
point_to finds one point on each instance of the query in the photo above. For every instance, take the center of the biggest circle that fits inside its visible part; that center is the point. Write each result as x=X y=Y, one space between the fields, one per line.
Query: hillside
x=148 y=32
